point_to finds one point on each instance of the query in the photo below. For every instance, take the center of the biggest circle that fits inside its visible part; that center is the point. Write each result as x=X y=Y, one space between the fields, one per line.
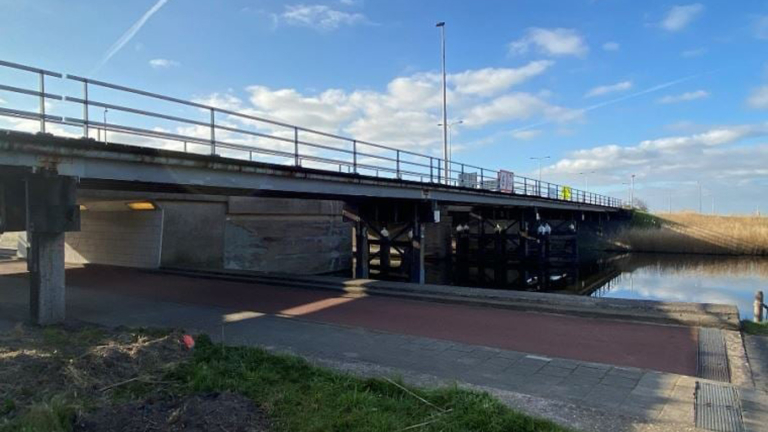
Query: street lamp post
x=106 y=140
x=700 y=196
x=450 y=136
x=632 y=193
x=540 y=159
x=586 y=179
x=445 y=106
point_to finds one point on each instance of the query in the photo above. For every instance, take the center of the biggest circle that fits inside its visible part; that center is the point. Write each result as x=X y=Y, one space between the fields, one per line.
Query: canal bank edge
x=689 y=314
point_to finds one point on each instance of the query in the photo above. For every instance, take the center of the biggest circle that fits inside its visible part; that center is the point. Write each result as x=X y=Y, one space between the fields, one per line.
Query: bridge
x=153 y=143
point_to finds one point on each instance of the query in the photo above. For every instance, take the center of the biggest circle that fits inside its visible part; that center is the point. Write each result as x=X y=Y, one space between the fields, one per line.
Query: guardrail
x=223 y=132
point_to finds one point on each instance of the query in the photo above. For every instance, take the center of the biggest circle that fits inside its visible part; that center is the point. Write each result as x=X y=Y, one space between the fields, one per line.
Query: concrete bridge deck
x=124 y=167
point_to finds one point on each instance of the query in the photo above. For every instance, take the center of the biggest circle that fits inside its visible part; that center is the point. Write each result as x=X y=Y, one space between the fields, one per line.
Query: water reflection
x=686 y=278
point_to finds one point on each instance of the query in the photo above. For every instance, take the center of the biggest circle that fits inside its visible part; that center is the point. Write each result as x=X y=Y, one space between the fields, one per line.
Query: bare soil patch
x=197 y=413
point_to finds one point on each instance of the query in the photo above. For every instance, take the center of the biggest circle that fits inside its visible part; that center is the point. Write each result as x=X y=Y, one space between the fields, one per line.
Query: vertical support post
x=385 y=251
x=481 y=246
x=213 y=132
x=354 y=154
x=362 y=251
x=296 y=160
x=431 y=180
x=758 y=307
x=482 y=178
x=47 y=287
x=417 y=252
x=42 y=102
x=462 y=254
x=500 y=272
x=85 y=108
x=398 y=163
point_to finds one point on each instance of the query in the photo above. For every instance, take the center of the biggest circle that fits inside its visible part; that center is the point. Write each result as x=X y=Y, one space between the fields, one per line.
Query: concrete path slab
x=657 y=347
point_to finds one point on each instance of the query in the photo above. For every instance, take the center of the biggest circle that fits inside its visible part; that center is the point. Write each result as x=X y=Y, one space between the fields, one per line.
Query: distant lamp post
x=586 y=179
x=540 y=159
x=632 y=192
x=106 y=141
x=445 y=106
x=700 y=195
x=450 y=136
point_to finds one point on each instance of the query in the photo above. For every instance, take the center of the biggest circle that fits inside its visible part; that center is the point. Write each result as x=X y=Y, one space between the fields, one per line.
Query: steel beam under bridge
x=116 y=166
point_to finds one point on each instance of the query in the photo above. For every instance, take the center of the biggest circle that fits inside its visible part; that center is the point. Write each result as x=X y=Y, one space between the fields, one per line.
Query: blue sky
x=675 y=93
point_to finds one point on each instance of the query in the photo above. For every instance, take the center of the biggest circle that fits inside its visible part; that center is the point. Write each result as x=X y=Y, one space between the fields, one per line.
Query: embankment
x=693 y=233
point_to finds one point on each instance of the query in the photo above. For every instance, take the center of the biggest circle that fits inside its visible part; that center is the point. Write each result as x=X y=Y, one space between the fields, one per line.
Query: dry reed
x=698 y=234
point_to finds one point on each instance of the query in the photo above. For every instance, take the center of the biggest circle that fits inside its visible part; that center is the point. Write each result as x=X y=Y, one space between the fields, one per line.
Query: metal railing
x=224 y=132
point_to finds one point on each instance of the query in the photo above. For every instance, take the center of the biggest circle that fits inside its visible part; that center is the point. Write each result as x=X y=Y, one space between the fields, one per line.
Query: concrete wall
x=283 y=235
x=9 y=240
x=123 y=238
x=193 y=233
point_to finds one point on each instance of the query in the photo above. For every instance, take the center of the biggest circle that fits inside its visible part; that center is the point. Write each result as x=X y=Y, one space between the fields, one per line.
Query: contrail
x=128 y=35
x=619 y=99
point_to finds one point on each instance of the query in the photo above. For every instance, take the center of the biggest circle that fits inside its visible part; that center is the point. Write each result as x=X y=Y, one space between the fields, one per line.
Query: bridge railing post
x=213 y=132
x=85 y=108
x=296 y=160
x=482 y=178
x=431 y=180
x=397 y=152
x=42 y=102
x=354 y=155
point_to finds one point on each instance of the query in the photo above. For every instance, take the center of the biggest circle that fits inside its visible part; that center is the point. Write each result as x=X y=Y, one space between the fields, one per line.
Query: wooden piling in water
x=758 y=307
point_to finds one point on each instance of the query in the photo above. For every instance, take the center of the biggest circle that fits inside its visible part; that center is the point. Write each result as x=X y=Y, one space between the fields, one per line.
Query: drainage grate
x=718 y=408
x=712 y=362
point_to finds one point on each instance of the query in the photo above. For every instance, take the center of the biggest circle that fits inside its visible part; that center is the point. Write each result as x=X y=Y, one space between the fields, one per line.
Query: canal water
x=684 y=278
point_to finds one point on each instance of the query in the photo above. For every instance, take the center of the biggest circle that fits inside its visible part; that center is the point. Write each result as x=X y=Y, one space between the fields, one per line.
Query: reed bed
x=693 y=233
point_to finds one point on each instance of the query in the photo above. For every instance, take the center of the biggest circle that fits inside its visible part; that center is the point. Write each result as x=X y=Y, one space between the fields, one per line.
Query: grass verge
x=70 y=372
x=753 y=328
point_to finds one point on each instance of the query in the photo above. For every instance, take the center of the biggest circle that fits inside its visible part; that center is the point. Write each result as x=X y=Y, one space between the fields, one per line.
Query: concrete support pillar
x=362 y=251
x=46 y=267
x=51 y=210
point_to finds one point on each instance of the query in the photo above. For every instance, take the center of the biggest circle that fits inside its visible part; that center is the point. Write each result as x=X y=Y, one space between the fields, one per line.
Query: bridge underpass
x=393 y=197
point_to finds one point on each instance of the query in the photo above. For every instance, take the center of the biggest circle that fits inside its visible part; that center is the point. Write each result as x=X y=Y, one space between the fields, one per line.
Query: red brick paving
x=657 y=347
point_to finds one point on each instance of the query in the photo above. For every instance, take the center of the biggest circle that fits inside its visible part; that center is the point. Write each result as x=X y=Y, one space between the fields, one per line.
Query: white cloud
x=221 y=100
x=761 y=27
x=320 y=17
x=729 y=161
x=696 y=52
x=681 y=16
x=161 y=63
x=2 y=101
x=490 y=81
x=129 y=34
x=524 y=135
x=611 y=46
x=658 y=154
x=685 y=97
x=517 y=106
x=759 y=98
x=555 y=42
x=606 y=89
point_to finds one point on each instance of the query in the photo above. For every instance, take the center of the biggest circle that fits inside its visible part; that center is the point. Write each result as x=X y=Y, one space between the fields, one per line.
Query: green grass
x=299 y=397
x=641 y=219
x=54 y=415
x=295 y=395
x=754 y=328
